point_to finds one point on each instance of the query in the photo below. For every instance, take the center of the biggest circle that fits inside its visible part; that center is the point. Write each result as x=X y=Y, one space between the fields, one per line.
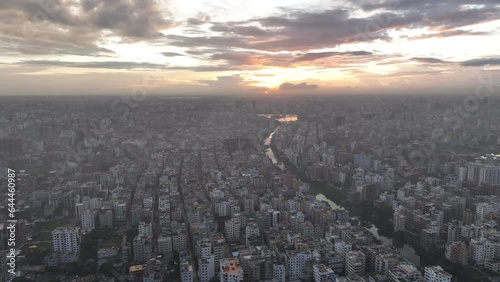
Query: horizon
x=259 y=48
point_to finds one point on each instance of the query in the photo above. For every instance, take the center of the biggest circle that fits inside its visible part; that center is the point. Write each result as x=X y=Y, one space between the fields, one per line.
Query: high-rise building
x=145 y=229
x=457 y=252
x=483 y=210
x=399 y=221
x=206 y=268
x=232 y=228
x=106 y=217
x=120 y=211
x=219 y=250
x=355 y=263
x=66 y=239
x=186 y=271
x=436 y=274
x=230 y=271
x=165 y=245
x=481 y=250
x=454 y=231
x=296 y=262
x=469 y=216
x=88 y=220
x=142 y=249
x=428 y=238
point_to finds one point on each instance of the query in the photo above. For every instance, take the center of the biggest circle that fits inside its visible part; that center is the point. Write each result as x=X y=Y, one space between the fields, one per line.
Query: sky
x=261 y=47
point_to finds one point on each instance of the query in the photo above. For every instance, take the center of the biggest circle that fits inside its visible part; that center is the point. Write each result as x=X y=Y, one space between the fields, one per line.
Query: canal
x=404 y=249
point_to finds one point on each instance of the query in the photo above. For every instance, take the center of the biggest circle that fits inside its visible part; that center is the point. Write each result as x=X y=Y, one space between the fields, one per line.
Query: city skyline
x=261 y=47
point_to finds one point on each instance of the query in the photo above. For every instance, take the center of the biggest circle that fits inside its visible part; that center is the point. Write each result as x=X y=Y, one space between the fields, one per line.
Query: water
x=281 y=118
x=406 y=250
x=332 y=204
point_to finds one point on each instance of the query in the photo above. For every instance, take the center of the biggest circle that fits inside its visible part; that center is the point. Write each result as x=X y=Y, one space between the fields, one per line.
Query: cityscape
x=246 y=189
x=249 y=141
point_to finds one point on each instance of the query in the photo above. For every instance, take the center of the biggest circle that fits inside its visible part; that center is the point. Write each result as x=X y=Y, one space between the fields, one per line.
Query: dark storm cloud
x=482 y=62
x=39 y=26
x=299 y=86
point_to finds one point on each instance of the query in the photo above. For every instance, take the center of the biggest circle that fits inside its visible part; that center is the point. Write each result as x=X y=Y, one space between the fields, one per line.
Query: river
x=406 y=250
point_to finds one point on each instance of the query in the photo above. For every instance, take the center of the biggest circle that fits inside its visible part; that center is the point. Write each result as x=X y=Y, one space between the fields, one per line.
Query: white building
x=436 y=274
x=483 y=210
x=481 y=250
x=66 y=239
x=206 y=268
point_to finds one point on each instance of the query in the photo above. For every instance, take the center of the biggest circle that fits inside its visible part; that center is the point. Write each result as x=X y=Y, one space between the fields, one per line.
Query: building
x=165 y=245
x=186 y=272
x=296 y=262
x=355 y=263
x=399 y=221
x=436 y=274
x=454 y=231
x=66 y=244
x=145 y=229
x=457 y=252
x=493 y=265
x=428 y=238
x=322 y=273
x=232 y=228
x=88 y=220
x=481 y=250
x=483 y=210
x=66 y=240
x=206 y=268
x=106 y=217
x=230 y=271
x=219 y=249
x=142 y=249
x=404 y=272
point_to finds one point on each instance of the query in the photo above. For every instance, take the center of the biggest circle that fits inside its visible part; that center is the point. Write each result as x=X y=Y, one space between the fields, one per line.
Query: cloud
x=428 y=60
x=171 y=54
x=299 y=86
x=318 y=55
x=120 y=65
x=78 y=27
x=226 y=82
x=96 y=65
x=481 y=62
